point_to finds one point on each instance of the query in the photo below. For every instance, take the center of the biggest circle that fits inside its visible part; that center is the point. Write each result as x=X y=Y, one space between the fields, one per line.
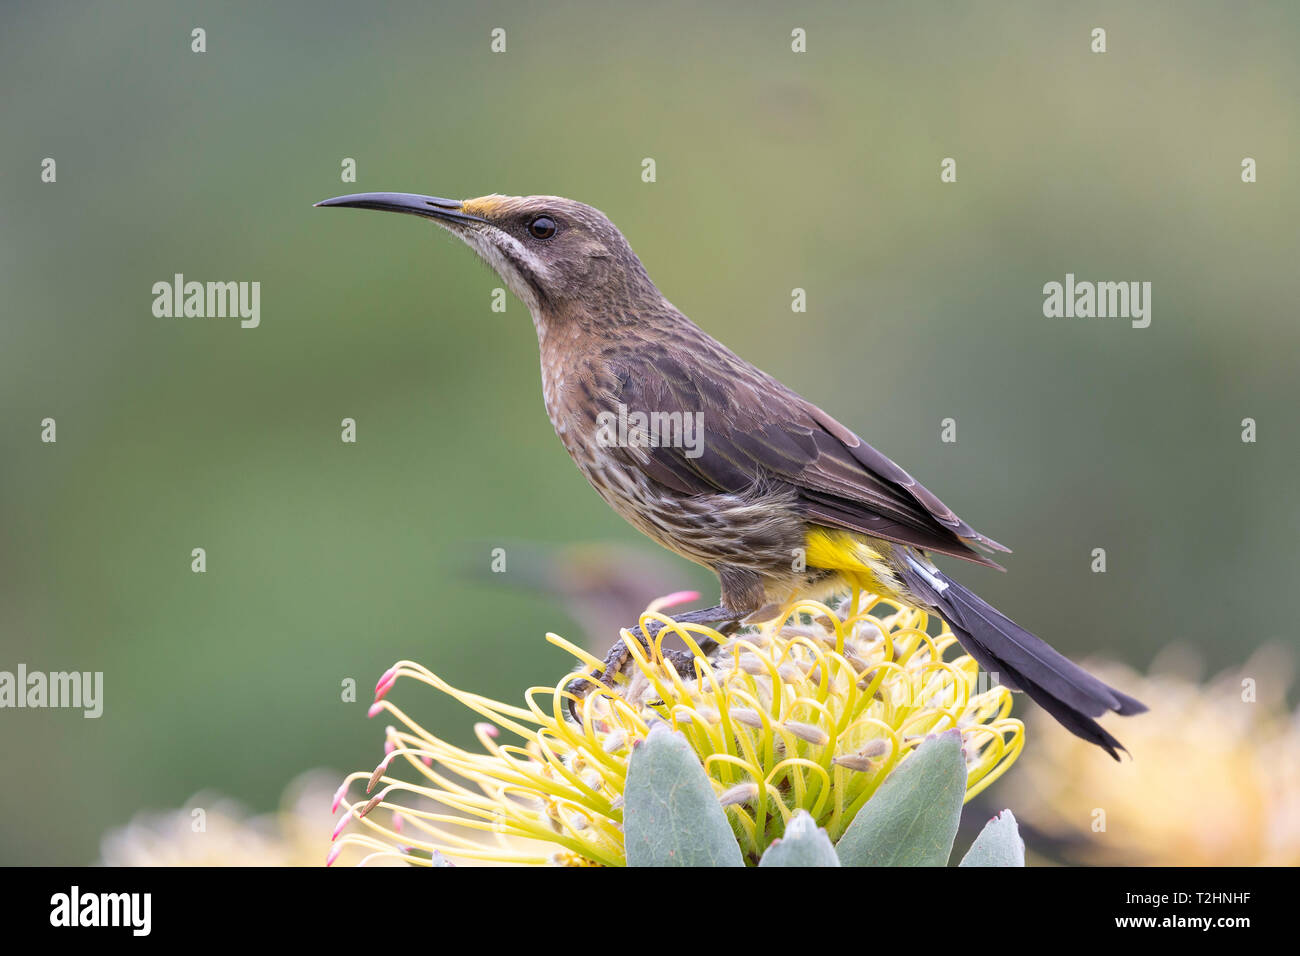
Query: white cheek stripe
x=524 y=254
x=487 y=249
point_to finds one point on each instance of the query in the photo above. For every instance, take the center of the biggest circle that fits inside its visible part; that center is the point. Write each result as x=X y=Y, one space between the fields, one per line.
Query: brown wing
x=755 y=430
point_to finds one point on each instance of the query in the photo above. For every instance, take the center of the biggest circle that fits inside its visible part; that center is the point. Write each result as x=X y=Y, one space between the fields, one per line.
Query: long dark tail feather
x=1024 y=662
x=1075 y=721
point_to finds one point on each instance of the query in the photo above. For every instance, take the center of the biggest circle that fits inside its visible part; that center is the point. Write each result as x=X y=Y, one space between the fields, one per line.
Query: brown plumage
x=772 y=479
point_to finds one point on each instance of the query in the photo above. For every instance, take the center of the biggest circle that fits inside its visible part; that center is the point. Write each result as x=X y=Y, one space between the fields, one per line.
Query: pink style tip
x=339 y=794
x=379 y=772
x=679 y=597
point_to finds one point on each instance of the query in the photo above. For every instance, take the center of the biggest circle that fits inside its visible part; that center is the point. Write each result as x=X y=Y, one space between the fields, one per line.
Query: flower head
x=213 y=830
x=811 y=712
x=1214 y=779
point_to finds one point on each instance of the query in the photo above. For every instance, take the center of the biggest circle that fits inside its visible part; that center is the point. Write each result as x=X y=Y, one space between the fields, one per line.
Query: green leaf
x=998 y=844
x=804 y=844
x=671 y=816
x=912 y=819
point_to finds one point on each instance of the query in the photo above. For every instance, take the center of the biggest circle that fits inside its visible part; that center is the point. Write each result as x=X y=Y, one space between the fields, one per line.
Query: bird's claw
x=613 y=665
x=616 y=661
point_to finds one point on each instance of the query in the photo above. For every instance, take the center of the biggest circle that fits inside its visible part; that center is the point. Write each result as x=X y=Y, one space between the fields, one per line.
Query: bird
x=776 y=497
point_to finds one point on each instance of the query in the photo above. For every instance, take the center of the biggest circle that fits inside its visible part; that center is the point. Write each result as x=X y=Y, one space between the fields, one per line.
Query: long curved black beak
x=413 y=204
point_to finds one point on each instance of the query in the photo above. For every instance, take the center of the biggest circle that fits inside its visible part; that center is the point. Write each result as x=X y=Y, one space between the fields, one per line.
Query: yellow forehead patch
x=486 y=206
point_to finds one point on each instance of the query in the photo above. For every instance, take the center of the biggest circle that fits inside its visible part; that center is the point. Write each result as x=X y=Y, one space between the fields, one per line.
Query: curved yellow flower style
x=813 y=714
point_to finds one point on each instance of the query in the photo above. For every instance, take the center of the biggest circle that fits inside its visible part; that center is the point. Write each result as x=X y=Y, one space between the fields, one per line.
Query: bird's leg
x=617 y=658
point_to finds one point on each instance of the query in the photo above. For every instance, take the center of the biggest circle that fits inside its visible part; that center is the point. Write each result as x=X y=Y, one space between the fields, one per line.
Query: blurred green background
x=775 y=170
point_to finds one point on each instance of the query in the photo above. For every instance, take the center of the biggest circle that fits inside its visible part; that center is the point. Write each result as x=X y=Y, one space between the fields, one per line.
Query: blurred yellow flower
x=811 y=714
x=1214 y=779
x=212 y=830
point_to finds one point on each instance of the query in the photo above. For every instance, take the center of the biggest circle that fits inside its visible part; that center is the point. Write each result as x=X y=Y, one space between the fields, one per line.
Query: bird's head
x=551 y=252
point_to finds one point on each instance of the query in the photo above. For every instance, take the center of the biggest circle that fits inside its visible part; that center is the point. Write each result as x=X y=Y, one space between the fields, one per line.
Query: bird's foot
x=617 y=659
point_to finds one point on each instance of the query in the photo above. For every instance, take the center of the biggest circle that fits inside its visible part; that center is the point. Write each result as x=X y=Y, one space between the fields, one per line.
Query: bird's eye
x=542 y=227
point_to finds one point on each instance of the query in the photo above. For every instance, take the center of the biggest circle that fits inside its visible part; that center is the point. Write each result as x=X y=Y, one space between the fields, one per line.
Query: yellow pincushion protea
x=213 y=830
x=1214 y=779
x=812 y=712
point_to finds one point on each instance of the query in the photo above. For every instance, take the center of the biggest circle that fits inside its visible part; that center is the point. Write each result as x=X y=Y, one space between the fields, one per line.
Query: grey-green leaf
x=912 y=819
x=803 y=844
x=999 y=844
x=671 y=816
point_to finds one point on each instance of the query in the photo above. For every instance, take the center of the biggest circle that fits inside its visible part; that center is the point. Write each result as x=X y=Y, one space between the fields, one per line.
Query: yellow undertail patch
x=862 y=561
